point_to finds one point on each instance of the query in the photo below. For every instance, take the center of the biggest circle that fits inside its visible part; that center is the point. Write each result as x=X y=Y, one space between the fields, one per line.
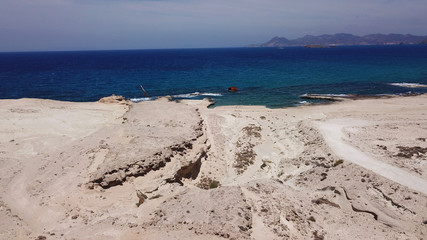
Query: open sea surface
x=265 y=76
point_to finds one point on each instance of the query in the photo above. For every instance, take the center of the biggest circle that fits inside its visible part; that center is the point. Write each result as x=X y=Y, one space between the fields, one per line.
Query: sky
x=51 y=25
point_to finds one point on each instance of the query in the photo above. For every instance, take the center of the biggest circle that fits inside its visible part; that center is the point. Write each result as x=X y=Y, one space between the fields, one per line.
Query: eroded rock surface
x=178 y=170
x=147 y=140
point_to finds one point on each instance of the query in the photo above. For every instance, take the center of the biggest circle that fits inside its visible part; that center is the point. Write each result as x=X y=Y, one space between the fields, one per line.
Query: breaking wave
x=196 y=94
x=409 y=85
x=136 y=100
x=185 y=95
x=326 y=95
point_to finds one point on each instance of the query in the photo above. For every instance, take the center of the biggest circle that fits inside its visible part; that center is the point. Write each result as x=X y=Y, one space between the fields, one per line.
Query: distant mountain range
x=344 y=39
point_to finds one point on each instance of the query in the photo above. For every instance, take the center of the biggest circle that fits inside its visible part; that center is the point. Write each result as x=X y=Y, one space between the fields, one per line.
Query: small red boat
x=233 y=89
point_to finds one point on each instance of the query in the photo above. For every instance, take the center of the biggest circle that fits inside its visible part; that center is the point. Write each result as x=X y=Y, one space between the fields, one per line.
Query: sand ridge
x=179 y=170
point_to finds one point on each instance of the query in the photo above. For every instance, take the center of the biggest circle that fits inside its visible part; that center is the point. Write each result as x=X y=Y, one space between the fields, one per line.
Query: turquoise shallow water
x=264 y=76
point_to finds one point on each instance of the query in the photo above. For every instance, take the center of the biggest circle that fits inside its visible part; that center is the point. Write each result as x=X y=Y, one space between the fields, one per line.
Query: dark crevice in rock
x=192 y=170
x=141 y=198
x=365 y=211
x=393 y=202
x=356 y=209
x=325 y=201
x=118 y=176
x=182 y=148
x=346 y=194
x=174 y=180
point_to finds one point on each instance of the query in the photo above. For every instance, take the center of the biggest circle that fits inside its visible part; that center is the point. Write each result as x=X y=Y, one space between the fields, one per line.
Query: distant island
x=344 y=39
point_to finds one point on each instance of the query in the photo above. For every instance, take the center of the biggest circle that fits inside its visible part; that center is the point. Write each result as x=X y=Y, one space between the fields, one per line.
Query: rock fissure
x=179 y=152
x=393 y=202
x=365 y=211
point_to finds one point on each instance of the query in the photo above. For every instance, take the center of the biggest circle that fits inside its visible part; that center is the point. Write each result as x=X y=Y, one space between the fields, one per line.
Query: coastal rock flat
x=146 y=140
x=179 y=170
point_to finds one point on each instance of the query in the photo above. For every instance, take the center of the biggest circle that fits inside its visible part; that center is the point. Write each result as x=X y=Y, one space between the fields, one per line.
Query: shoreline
x=343 y=97
x=179 y=170
x=328 y=98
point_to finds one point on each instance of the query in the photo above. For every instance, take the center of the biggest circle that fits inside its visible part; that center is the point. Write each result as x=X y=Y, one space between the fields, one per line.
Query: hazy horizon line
x=183 y=48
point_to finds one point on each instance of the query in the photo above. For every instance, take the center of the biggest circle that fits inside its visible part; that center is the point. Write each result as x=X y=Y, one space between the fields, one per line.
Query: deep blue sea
x=265 y=76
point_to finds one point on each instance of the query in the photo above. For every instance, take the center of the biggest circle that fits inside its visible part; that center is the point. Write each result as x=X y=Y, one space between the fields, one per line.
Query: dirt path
x=332 y=131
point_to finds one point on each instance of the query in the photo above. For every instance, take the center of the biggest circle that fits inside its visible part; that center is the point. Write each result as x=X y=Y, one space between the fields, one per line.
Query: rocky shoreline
x=179 y=170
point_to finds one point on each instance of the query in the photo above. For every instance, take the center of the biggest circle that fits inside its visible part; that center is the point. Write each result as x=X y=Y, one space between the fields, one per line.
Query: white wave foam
x=136 y=100
x=409 y=85
x=212 y=94
x=185 y=95
x=326 y=95
x=304 y=103
x=335 y=95
x=196 y=94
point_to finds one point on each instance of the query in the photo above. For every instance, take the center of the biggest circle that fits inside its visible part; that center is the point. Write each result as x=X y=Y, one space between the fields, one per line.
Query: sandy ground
x=179 y=170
